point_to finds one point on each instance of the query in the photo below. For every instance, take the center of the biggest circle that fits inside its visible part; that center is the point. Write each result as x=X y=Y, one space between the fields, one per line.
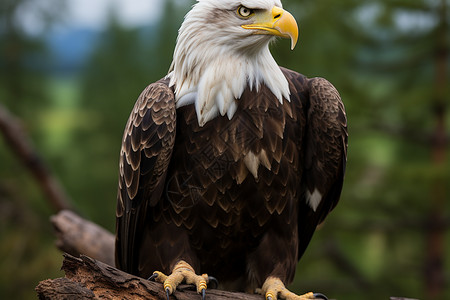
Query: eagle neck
x=214 y=81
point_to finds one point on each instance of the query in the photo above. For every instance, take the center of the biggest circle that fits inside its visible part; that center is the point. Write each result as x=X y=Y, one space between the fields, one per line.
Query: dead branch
x=87 y=278
x=20 y=143
x=76 y=236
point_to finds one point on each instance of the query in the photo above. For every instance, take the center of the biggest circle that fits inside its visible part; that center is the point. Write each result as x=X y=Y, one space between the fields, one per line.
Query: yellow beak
x=277 y=22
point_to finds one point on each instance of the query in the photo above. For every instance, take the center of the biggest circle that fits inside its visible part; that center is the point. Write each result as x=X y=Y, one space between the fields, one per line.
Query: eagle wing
x=324 y=149
x=144 y=159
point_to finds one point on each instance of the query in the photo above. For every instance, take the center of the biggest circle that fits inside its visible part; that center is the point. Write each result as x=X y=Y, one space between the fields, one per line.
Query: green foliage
x=381 y=56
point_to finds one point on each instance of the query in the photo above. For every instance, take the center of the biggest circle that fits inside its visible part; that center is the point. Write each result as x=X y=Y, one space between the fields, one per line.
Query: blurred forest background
x=73 y=88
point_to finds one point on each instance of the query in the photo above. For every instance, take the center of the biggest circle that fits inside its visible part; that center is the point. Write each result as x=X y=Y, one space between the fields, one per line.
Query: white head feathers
x=215 y=59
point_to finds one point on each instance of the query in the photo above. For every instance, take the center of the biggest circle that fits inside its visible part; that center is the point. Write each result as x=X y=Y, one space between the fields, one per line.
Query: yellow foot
x=273 y=289
x=182 y=272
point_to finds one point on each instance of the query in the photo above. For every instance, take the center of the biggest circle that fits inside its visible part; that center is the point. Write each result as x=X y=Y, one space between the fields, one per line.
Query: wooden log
x=62 y=288
x=87 y=278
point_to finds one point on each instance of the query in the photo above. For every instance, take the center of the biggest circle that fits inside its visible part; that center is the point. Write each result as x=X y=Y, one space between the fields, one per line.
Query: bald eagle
x=230 y=162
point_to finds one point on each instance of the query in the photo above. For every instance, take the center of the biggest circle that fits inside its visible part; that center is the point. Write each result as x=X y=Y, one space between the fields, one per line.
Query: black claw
x=154 y=275
x=213 y=283
x=167 y=294
x=320 y=296
x=204 y=294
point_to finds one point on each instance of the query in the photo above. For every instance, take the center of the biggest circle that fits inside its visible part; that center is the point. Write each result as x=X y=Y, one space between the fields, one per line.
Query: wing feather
x=144 y=159
x=326 y=140
x=324 y=148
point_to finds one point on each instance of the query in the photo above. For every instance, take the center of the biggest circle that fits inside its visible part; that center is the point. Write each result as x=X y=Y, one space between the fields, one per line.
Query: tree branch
x=77 y=236
x=87 y=278
x=22 y=146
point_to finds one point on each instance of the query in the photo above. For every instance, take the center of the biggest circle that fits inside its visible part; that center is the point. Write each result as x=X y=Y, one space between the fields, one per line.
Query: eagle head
x=223 y=48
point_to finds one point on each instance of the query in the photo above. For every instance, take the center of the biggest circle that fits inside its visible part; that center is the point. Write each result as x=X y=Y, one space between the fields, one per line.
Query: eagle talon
x=182 y=272
x=153 y=277
x=274 y=289
x=213 y=282
x=320 y=296
x=168 y=293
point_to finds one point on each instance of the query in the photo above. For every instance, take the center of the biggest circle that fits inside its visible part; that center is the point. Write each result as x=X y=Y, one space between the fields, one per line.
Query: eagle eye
x=244 y=12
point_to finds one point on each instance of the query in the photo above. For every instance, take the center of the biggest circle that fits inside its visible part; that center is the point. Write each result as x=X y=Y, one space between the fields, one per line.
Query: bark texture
x=87 y=278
